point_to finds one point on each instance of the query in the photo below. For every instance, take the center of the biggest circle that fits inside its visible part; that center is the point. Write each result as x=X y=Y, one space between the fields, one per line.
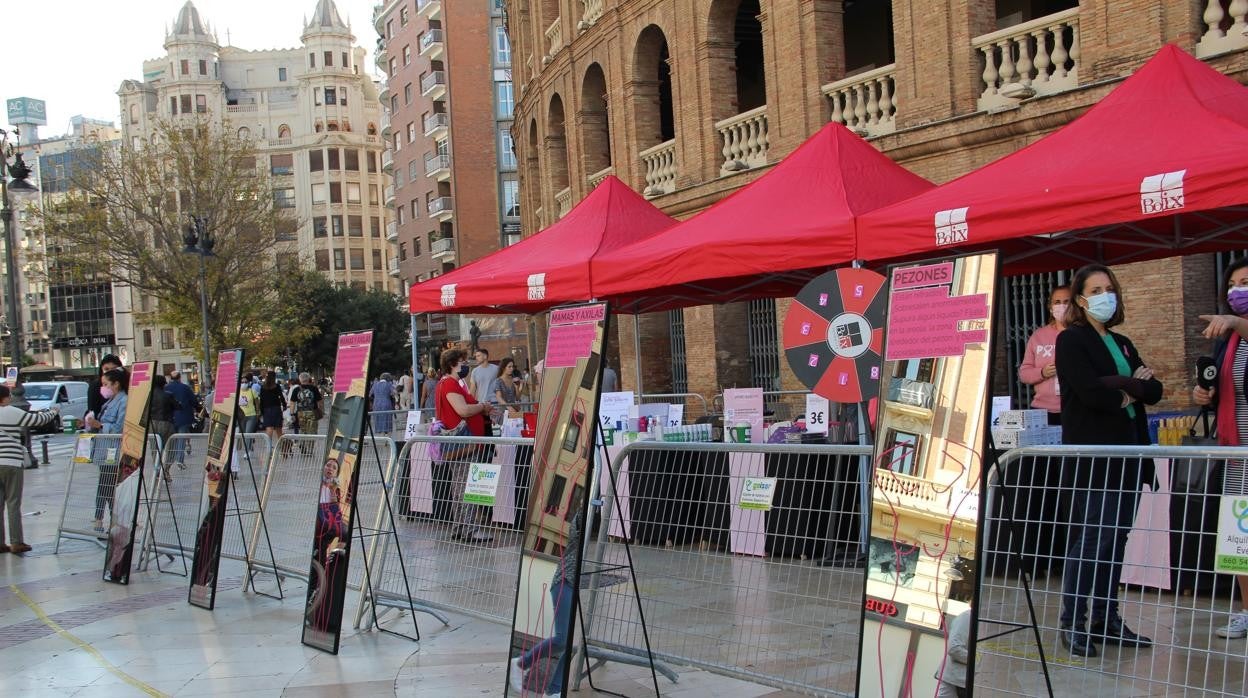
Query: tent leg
x=637 y=351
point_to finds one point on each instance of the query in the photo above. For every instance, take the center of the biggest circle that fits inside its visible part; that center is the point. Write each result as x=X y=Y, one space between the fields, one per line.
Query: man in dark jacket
x=184 y=406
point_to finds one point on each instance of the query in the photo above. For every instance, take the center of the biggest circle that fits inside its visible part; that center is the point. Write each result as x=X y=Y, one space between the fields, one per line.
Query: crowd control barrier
x=89 y=486
x=1166 y=589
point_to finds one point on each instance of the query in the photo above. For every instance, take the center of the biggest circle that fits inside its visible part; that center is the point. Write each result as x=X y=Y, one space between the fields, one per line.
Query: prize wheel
x=834 y=334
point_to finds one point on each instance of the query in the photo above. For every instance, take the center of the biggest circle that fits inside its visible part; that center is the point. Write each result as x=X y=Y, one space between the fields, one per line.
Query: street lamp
x=199 y=242
x=19 y=172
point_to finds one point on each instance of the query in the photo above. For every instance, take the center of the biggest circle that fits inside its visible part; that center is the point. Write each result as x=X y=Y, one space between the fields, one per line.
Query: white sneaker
x=1237 y=628
x=516 y=677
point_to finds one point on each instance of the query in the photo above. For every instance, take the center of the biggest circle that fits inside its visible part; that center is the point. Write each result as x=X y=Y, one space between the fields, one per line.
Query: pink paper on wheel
x=504 y=510
x=747 y=533
x=420 y=478
x=621 y=521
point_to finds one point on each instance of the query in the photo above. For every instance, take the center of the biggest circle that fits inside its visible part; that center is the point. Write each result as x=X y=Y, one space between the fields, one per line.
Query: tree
x=127 y=213
x=312 y=312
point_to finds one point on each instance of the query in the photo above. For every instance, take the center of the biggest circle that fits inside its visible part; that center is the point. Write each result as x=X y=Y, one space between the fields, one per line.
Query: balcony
x=241 y=108
x=381 y=58
x=554 y=39
x=865 y=103
x=433 y=85
x=387 y=161
x=1215 y=40
x=385 y=123
x=388 y=196
x=441 y=208
x=392 y=231
x=373 y=140
x=563 y=202
x=745 y=141
x=911 y=392
x=394 y=266
x=442 y=250
x=596 y=178
x=429 y=8
x=438 y=167
x=590 y=15
x=436 y=124
x=279 y=142
x=431 y=44
x=384 y=96
x=660 y=165
x=1032 y=59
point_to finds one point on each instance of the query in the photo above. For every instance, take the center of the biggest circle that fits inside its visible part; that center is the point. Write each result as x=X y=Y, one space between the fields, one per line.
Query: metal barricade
x=393 y=423
x=695 y=404
x=245 y=491
x=178 y=487
x=1169 y=592
x=458 y=557
x=732 y=590
x=89 y=488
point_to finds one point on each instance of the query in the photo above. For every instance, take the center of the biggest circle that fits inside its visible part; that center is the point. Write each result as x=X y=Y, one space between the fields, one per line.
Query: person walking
x=115 y=387
x=456 y=406
x=429 y=388
x=13 y=420
x=306 y=403
x=610 y=379
x=383 y=398
x=160 y=418
x=249 y=405
x=1230 y=405
x=272 y=405
x=405 y=390
x=1104 y=386
x=184 y=409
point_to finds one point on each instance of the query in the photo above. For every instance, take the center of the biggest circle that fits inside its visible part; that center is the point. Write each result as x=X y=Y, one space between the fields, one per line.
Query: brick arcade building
x=687 y=100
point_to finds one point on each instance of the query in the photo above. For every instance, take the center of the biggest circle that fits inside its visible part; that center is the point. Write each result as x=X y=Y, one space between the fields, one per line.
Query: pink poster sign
x=571 y=335
x=922 y=275
x=352 y=360
x=141 y=372
x=227 y=379
x=926 y=323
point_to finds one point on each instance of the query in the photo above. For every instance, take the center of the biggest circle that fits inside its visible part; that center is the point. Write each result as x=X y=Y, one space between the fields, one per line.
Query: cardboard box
x=1024 y=419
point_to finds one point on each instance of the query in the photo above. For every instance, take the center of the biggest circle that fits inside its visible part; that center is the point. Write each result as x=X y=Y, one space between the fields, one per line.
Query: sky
x=73 y=54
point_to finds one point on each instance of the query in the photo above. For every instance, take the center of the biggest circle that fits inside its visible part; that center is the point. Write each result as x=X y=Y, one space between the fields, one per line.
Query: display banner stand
x=124 y=515
x=594 y=568
x=149 y=550
x=250 y=545
x=1020 y=564
x=379 y=531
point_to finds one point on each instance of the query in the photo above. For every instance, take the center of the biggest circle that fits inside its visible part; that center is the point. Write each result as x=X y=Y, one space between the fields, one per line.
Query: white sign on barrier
x=757 y=493
x=1231 y=556
x=675 y=415
x=816 y=414
x=82 y=448
x=482 y=485
x=413 y=425
x=613 y=409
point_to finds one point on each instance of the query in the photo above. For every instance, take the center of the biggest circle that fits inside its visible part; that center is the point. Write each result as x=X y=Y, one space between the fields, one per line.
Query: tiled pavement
x=145 y=640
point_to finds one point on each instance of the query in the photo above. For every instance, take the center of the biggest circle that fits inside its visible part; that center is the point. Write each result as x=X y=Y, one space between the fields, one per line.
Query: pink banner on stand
x=505 y=497
x=621 y=517
x=747 y=527
x=1147 y=558
x=420 y=478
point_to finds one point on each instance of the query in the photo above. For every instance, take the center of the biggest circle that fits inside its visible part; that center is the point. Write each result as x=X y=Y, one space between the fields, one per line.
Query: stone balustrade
x=865 y=103
x=1225 y=27
x=660 y=165
x=554 y=39
x=1039 y=57
x=563 y=202
x=596 y=178
x=745 y=140
x=591 y=14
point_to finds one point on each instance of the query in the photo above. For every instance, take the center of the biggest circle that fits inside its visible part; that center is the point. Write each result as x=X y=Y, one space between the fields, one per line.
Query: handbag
x=1196 y=475
x=456 y=452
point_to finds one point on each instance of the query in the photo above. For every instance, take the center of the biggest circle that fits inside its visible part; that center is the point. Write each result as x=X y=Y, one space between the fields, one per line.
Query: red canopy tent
x=767 y=239
x=1153 y=170
x=550 y=267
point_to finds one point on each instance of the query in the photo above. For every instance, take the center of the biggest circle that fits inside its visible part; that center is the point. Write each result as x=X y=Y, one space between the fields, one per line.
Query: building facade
x=687 y=100
x=312 y=113
x=448 y=105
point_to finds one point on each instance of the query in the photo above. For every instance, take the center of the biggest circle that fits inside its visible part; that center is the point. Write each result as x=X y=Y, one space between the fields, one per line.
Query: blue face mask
x=1101 y=308
x=463 y=371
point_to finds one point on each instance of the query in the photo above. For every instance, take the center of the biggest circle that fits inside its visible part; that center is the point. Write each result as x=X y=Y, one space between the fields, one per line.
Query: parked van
x=69 y=396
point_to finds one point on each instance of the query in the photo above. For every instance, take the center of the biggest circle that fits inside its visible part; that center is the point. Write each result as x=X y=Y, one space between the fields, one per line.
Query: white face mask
x=1101 y=308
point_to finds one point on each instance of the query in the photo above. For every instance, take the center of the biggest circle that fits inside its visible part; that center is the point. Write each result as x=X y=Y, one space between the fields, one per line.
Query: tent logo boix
x=448 y=295
x=1162 y=192
x=951 y=227
x=537 y=287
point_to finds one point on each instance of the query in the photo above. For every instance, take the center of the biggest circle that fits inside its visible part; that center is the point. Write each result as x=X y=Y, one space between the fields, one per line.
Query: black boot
x=1114 y=632
x=1077 y=642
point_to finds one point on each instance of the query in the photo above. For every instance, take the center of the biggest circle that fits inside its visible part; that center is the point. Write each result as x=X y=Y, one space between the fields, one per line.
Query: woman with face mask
x=1039 y=369
x=1231 y=405
x=1104 y=387
x=455 y=405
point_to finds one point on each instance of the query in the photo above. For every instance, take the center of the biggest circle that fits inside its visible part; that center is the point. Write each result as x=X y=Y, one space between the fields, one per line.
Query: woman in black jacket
x=1104 y=387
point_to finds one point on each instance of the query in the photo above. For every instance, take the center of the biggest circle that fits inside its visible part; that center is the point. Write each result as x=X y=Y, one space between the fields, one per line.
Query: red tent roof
x=767 y=239
x=1147 y=172
x=549 y=267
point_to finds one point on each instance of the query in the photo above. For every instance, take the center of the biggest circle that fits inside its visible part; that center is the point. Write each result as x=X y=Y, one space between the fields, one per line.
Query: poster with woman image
x=331 y=538
x=125 y=506
x=207 y=562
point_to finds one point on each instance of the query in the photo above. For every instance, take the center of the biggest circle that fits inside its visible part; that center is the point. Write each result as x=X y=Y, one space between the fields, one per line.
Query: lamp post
x=19 y=172
x=199 y=242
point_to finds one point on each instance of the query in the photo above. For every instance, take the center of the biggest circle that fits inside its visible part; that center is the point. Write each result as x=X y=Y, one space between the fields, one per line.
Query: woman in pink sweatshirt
x=1037 y=369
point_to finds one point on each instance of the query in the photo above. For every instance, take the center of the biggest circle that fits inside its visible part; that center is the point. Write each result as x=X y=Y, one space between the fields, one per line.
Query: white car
x=69 y=396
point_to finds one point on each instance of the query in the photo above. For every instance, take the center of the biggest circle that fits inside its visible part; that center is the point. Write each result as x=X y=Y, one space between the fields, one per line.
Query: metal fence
x=1168 y=590
x=89 y=490
x=457 y=557
x=730 y=590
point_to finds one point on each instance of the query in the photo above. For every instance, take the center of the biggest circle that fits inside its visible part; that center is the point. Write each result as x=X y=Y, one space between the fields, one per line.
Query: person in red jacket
x=1039 y=367
x=455 y=405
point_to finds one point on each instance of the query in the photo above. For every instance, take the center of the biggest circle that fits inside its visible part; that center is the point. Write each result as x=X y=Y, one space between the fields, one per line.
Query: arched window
x=244 y=134
x=556 y=144
x=735 y=28
x=283 y=131
x=319 y=126
x=134 y=113
x=595 y=129
x=652 y=89
x=372 y=129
